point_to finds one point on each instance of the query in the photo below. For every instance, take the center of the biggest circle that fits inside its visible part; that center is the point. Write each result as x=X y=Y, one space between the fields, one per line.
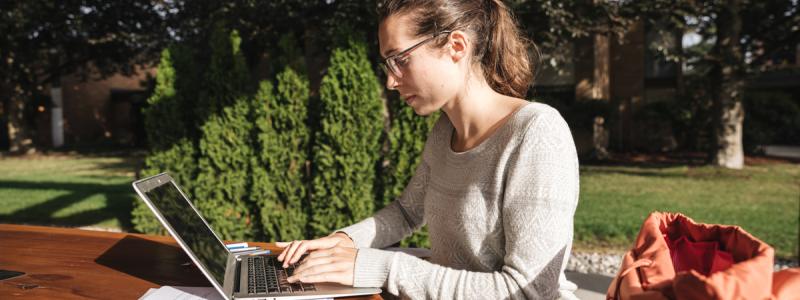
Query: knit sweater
x=499 y=216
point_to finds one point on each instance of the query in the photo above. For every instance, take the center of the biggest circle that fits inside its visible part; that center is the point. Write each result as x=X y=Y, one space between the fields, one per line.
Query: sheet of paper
x=182 y=293
x=187 y=293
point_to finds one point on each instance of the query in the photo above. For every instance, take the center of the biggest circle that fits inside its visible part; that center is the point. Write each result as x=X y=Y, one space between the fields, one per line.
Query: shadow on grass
x=119 y=203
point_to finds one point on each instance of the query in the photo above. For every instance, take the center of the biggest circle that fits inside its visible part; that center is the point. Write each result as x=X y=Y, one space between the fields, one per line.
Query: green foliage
x=226 y=147
x=227 y=76
x=406 y=139
x=290 y=54
x=280 y=177
x=172 y=150
x=223 y=181
x=347 y=144
x=247 y=160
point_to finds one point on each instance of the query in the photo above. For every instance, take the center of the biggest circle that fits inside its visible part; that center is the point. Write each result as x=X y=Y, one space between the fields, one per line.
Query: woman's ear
x=459 y=45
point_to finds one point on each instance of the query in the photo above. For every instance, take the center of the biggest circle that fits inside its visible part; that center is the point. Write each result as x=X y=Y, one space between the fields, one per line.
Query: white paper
x=187 y=293
x=182 y=293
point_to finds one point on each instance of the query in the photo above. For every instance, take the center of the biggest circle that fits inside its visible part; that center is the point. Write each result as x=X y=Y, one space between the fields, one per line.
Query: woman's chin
x=421 y=111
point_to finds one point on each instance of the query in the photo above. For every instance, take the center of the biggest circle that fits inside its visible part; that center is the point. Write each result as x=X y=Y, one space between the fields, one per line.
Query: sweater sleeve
x=398 y=219
x=539 y=201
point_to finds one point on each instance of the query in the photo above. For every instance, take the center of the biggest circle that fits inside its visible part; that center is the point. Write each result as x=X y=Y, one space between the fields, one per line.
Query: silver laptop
x=233 y=275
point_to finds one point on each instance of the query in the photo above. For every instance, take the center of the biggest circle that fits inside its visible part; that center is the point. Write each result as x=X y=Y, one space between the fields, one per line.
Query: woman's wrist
x=346 y=239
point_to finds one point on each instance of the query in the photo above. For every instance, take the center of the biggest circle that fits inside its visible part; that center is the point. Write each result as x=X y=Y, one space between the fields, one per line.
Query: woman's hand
x=294 y=250
x=335 y=264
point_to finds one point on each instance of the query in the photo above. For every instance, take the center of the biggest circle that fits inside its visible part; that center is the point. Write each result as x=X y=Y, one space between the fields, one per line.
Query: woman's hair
x=499 y=47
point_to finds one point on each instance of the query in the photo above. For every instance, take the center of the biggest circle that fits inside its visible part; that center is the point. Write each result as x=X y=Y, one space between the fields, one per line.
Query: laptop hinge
x=237 y=276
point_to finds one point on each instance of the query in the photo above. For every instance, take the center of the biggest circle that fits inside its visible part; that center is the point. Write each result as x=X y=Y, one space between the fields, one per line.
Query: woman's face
x=431 y=76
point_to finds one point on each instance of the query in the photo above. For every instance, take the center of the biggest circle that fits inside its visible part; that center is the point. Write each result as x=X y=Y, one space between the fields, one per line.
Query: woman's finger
x=320 y=253
x=308 y=263
x=299 y=252
x=340 y=277
x=334 y=272
x=288 y=252
x=282 y=244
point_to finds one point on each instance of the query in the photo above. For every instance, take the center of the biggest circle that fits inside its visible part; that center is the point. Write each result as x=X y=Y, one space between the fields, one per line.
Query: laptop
x=233 y=275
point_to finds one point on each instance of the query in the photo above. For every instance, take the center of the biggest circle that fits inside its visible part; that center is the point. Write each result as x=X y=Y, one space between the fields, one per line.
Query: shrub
x=172 y=149
x=226 y=146
x=346 y=146
x=279 y=186
x=406 y=140
x=223 y=182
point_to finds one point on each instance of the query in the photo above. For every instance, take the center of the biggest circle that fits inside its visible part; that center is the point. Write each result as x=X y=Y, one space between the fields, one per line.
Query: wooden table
x=62 y=263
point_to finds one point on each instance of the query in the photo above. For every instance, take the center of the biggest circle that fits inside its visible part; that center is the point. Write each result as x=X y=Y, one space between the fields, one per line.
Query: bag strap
x=634 y=266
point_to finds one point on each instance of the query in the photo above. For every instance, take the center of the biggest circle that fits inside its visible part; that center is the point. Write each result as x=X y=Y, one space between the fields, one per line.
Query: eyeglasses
x=393 y=63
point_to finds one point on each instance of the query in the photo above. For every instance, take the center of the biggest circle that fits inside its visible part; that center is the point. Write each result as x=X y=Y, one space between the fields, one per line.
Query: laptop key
x=267 y=275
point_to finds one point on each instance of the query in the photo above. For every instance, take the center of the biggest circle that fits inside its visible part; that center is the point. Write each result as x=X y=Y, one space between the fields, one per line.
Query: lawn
x=764 y=199
x=68 y=190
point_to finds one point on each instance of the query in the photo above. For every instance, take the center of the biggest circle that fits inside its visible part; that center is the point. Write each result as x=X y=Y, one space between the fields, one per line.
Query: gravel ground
x=608 y=263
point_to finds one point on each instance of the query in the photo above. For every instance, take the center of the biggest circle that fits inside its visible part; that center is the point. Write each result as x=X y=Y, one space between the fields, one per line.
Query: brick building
x=94 y=112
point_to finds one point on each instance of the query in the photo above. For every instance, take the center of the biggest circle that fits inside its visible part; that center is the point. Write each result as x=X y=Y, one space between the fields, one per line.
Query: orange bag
x=675 y=258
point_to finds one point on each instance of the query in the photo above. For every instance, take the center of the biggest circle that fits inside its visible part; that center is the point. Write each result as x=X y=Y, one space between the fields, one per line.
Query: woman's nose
x=391 y=81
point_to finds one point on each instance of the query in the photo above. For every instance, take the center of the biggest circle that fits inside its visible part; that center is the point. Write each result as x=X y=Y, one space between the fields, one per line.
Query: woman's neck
x=476 y=113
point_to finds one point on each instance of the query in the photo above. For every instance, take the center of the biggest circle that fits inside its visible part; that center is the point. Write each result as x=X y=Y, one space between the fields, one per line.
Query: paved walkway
x=792 y=152
x=590 y=286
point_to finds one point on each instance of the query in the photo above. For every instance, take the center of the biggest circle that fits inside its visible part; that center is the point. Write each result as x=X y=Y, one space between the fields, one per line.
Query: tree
x=280 y=177
x=737 y=51
x=554 y=25
x=166 y=121
x=43 y=40
x=405 y=141
x=346 y=147
x=225 y=113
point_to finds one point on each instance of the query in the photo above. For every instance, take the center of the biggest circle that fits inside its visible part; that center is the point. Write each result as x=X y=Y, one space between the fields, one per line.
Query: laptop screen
x=190 y=227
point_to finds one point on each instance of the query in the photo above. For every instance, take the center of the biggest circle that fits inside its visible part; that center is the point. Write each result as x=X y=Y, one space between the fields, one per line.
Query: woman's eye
x=401 y=61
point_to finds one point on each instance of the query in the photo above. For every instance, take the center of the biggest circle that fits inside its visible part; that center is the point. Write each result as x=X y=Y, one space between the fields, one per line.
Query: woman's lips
x=410 y=99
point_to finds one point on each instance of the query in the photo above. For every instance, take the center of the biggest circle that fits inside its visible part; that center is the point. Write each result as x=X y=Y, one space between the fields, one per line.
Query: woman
x=498 y=181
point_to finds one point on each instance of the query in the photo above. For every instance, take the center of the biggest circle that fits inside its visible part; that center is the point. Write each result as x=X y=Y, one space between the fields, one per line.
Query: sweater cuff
x=372 y=267
x=358 y=233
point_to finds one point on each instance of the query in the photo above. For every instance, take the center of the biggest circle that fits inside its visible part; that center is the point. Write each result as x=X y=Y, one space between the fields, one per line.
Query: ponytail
x=500 y=47
x=506 y=63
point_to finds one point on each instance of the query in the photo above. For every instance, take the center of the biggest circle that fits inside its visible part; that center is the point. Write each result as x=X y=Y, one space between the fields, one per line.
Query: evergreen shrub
x=279 y=187
x=346 y=147
x=406 y=139
x=172 y=149
x=226 y=147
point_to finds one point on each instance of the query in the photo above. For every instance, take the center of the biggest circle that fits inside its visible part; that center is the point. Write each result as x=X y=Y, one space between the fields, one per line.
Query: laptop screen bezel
x=147 y=184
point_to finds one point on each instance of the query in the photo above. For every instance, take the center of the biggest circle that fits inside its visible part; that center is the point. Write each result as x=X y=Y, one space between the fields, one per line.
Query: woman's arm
x=398 y=219
x=395 y=221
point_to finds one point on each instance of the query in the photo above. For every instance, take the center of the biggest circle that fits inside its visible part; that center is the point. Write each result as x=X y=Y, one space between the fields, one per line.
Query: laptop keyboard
x=267 y=275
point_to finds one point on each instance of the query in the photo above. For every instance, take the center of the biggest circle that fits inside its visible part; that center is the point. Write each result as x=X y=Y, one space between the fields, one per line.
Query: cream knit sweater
x=500 y=216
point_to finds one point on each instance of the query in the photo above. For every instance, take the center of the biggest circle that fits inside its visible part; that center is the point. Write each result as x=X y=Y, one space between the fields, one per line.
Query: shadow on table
x=155 y=262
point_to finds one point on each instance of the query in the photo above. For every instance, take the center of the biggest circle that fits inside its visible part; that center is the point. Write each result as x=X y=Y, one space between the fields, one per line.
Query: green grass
x=74 y=191
x=67 y=190
x=764 y=200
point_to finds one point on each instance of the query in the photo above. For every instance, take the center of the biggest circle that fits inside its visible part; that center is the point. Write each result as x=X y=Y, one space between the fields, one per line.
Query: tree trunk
x=18 y=135
x=727 y=150
x=19 y=138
